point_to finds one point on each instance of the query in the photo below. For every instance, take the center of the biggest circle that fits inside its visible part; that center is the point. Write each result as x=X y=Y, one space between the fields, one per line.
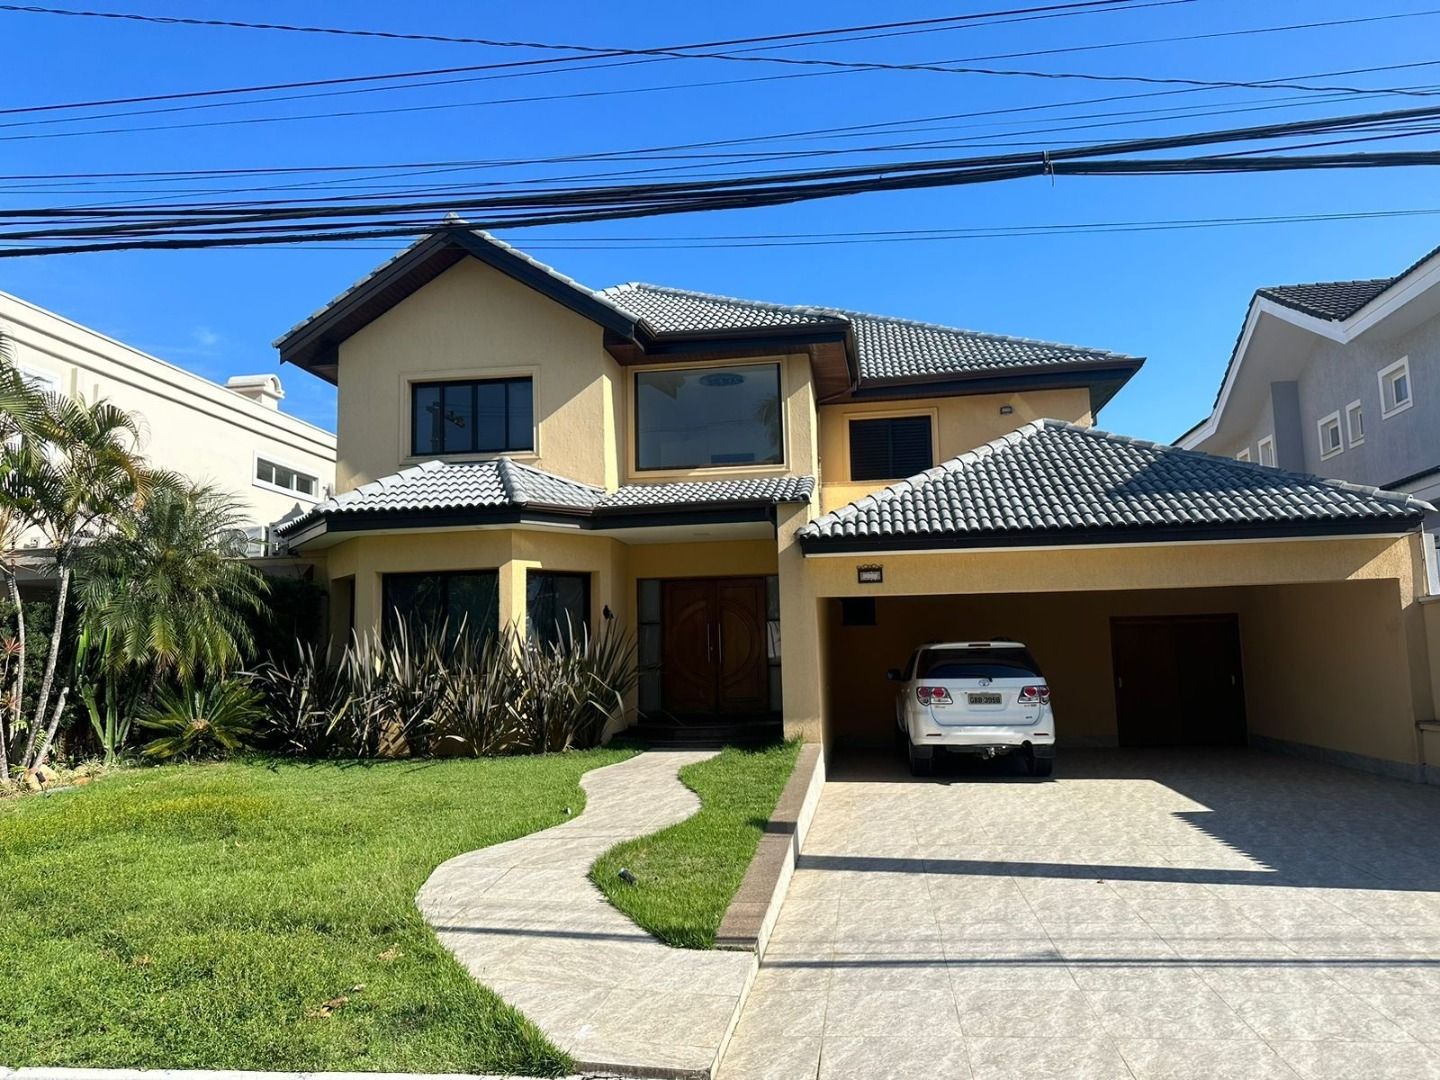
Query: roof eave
x=1388 y=525
x=312 y=344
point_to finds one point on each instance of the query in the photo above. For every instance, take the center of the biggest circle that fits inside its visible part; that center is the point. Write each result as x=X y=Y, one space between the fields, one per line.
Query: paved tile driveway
x=1147 y=915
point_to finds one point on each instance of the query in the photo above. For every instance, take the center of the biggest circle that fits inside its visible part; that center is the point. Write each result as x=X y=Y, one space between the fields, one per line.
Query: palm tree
x=21 y=409
x=89 y=474
x=169 y=584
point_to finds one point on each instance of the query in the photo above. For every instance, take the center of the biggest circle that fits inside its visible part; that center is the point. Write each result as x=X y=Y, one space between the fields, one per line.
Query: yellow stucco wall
x=957 y=424
x=473 y=321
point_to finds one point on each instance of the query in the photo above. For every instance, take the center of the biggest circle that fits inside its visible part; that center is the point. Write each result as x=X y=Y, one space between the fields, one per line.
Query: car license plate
x=984 y=699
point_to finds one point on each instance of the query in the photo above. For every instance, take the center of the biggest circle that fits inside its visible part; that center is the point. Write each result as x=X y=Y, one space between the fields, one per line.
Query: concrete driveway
x=1147 y=915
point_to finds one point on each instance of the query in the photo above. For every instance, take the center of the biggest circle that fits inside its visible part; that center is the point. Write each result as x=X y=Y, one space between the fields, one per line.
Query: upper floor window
x=1396 y=394
x=1267 y=451
x=1243 y=455
x=890 y=448
x=1331 y=442
x=1355 y=423
x=272 y=474
x=472 y=416
x=695 y=418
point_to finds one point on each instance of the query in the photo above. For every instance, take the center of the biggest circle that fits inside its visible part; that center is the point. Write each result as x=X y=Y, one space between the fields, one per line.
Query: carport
x=1149 y=667
x=1172 y=598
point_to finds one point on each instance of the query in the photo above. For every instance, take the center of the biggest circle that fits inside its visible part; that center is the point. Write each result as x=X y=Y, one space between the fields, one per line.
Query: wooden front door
x=713 y=653
x=1178 y=681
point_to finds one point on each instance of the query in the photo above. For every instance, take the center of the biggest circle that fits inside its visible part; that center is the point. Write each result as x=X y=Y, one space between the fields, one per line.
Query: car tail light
x=932 y=695
x=1035 y=695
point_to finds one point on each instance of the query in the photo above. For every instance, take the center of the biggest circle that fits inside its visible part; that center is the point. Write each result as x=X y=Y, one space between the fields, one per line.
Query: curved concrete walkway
x=525 y=920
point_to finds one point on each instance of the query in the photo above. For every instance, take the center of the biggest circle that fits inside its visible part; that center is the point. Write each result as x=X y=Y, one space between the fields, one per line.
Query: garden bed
x=261 y=916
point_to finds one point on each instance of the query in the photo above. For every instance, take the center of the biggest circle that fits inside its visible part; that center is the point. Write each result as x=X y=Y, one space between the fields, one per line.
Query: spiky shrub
x=305 y=705
x=430 y=691
x=211 y=720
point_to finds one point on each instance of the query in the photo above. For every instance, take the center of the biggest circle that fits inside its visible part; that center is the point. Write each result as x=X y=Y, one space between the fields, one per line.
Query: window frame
x=277 y=462
x=1320 y=426
x=415 y=385
x=1387 y=377
x=50 y=382
x=584 y=575
x=1243 y=455
x=632 y=433
x=387 y=611
x=1355 y=409
x=928 y=415
x=1267 y=441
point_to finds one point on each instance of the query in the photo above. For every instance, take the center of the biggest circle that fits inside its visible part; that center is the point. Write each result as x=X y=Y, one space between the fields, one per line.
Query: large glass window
x=472 y=417
x=890 y=447
x=455 y=600
x=701 y=417
x=273 y=474
x=557 y=606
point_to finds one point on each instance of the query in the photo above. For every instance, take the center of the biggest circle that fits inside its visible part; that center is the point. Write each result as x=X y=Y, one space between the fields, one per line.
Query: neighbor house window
x=1267 y=451
x=890 y=448
x=693 y=418
x=476 y=416
x=45 y=382
x=274 y=475
x=457 y=600
x=1355 y=423
x=1396 y=394
x=557 y=606
x=1330 y=438
x=1243 y=455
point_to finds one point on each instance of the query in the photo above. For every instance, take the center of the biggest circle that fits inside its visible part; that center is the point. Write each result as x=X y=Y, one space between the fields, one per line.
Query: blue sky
x=1176 y=297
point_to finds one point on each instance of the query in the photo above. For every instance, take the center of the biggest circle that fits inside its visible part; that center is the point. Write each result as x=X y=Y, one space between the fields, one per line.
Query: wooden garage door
x=1178 y=681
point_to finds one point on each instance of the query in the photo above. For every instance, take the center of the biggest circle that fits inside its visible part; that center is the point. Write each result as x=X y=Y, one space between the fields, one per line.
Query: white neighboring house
x=233 y=436
x=1340 y=379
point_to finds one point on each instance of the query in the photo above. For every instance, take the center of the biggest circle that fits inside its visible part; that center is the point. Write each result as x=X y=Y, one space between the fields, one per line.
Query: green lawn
x=215 y=916
x=688 y=873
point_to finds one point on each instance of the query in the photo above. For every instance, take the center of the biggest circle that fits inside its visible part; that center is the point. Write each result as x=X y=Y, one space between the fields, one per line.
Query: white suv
x=986 y=698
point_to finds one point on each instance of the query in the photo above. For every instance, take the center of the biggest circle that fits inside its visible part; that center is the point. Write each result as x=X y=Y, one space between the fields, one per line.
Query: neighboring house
x=1337 y=378
x=781 y=502
x=231 y=436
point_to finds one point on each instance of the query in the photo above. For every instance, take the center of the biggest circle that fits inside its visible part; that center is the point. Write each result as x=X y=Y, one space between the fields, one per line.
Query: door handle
x=720 y=641
x=709 y=646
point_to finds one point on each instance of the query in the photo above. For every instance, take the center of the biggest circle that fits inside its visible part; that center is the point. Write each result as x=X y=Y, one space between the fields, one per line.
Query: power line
x=87 y=229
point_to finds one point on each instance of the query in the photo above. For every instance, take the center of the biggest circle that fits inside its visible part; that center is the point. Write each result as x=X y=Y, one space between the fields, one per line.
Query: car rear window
x=976 y=664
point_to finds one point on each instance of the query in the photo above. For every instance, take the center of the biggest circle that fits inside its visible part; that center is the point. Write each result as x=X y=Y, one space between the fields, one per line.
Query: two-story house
x=1337 y=378
x=780 y=502
x=233 y=436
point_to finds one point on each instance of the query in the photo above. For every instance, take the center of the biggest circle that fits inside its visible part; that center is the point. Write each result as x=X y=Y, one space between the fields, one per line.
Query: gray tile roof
x=1338 y=300
x=1332 y=300
x=502 y=484
x=757 y=489
x=886 y=348
x=1051 y=478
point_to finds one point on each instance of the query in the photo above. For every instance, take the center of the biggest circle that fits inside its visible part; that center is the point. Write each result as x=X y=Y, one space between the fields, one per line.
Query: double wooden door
x=1178 y=681
x=714 y=660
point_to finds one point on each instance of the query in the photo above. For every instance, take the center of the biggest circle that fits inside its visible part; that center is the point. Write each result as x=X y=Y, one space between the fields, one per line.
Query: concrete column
x=801 y=666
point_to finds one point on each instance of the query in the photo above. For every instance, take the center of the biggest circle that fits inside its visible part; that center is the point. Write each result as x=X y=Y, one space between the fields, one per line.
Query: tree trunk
x=8 y=731
x=54 y=726
x=45 y=684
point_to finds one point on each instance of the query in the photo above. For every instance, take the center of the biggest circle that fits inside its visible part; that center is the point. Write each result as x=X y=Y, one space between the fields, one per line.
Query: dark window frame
x=442 y=385
x=889 y=470
x=390 y=613
x=781 y=445
x=583 y=575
